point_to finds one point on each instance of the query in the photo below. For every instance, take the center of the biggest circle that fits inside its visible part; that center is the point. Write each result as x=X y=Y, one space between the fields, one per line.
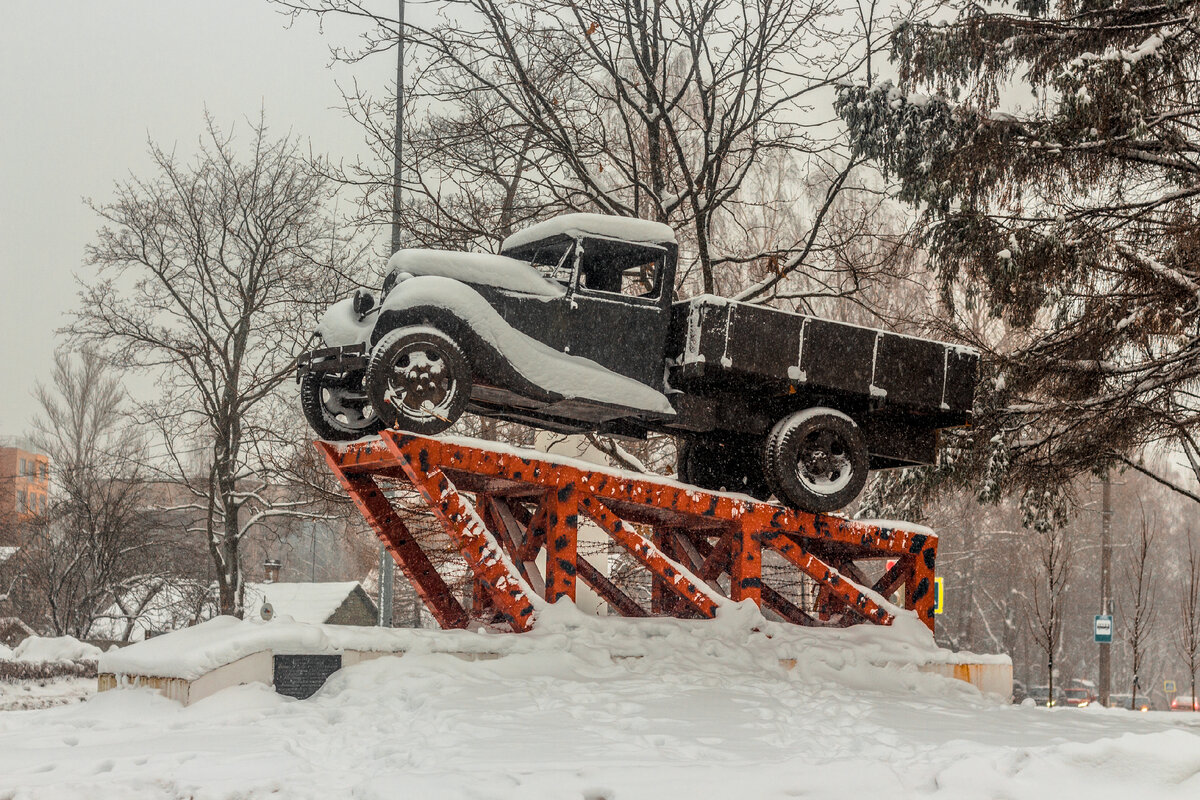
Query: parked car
x=1125 y=701
x=1181 y=703
x=1078 y=697
x=573 y=328
x=1041 y=695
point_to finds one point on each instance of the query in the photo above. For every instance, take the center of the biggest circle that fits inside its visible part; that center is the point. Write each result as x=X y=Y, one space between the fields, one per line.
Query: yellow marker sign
x=1169 y=687
x=939 y=604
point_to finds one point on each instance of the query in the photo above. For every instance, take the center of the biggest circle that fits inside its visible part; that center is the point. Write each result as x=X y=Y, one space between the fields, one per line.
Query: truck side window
x=620 y=268
x=599 y=278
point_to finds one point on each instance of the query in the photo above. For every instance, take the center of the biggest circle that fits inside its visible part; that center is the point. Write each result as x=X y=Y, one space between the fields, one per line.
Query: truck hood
x=480 y=269
x=558 y=373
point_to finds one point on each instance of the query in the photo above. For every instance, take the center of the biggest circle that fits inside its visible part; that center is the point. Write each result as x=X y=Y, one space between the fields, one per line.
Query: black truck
x=572 y=328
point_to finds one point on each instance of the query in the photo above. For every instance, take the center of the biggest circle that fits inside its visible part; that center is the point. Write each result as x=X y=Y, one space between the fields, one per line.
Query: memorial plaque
x=300 y=676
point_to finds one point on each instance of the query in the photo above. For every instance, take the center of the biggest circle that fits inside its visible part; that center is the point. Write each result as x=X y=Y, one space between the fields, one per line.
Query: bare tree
x=209 y=273
x=1187 y=638
x=97 y=535
x=664 y=109
x=1045 y=612
x=1139 y=616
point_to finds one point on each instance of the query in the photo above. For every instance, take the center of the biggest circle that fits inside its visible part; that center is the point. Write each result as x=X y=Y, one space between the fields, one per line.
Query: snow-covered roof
x=604 y=226
x=304 y=602
x=482 y=268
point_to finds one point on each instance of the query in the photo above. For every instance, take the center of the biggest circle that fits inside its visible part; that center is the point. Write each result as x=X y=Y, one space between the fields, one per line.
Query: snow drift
x=620 y=709
x=55 y=648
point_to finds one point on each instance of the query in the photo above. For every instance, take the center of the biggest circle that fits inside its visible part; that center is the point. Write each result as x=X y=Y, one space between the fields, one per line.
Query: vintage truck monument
x=573 y=328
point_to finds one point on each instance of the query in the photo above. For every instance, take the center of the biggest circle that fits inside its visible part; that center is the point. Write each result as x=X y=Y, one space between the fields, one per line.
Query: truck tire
x=816 y=460
x=721 y=467
x=337 y=407
x=419 y=379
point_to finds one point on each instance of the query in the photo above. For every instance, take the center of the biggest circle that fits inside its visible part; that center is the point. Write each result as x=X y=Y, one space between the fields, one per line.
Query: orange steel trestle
x=526 y=502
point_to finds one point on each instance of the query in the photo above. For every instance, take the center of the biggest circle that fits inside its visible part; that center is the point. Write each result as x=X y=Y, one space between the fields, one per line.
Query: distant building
x=335 y=603
x=24 y=482
x=152 y=609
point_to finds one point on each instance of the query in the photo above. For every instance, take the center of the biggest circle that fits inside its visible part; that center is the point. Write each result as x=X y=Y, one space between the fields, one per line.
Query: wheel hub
x=346 y=402
x=824 y=464
x=420 y=385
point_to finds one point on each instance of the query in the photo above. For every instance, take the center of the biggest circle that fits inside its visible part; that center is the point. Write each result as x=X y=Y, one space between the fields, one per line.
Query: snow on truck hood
x=604 y=226
x=542 y=365
x=485 y=269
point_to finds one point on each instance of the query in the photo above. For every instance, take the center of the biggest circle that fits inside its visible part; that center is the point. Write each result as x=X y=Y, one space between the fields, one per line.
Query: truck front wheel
x=816 y=460
x=337 y=407
x=419 y=379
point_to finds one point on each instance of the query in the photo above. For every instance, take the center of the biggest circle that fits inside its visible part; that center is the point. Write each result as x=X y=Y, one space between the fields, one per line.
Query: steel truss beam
x=691 y=542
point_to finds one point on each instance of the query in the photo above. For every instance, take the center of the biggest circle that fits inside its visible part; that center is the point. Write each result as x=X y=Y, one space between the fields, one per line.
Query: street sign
x=1169 y=687
x=1103 y=628
x=939 y=605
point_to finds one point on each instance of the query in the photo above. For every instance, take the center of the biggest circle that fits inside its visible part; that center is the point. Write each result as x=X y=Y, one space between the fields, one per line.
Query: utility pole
x=1105 y=585
x=387 y=566
x=398 y=142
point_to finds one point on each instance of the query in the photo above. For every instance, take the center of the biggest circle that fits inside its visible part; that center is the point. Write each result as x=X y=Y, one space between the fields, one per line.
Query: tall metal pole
x=398 y=141
x=387 y=567
x=1105 y=586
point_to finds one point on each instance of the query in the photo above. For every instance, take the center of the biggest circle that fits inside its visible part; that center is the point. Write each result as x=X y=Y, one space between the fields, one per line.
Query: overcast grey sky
x=84 y=83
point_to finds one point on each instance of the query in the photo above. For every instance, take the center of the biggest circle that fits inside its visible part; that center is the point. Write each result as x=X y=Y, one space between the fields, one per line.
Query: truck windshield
x=554 y=261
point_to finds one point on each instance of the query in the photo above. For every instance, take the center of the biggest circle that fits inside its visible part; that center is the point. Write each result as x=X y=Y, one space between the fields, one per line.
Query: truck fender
x=488 y=364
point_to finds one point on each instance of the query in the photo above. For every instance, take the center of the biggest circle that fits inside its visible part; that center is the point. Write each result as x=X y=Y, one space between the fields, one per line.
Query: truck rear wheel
x=722 y=467
x=816 y=460
x=418 y=379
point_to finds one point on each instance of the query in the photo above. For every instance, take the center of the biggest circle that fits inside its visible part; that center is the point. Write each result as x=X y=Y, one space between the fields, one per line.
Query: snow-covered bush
x=55 y=648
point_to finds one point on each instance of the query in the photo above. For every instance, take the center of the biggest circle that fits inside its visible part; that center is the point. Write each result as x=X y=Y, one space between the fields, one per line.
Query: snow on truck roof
x=605 y=226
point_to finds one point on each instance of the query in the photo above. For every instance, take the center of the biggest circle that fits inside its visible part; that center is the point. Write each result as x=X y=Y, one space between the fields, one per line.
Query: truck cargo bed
x=715 y=341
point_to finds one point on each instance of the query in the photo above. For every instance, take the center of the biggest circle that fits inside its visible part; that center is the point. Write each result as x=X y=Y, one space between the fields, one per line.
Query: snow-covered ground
x=706 y=711
x=33 y=694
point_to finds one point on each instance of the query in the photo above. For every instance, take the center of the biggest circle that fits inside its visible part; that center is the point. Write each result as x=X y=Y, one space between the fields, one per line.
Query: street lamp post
x=387 y=566
x=1105 y=585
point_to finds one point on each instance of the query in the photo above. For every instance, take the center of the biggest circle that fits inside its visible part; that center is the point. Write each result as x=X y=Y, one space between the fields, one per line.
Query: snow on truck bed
x=707 y=712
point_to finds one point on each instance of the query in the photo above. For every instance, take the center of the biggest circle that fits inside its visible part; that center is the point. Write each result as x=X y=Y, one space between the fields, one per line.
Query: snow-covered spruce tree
x=209 y=274
x=1075 y=221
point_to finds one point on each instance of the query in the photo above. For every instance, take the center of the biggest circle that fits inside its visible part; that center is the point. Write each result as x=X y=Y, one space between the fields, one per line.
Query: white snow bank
x=571 y=725
x=6 y=653
x=560 y=373
x=739 y=635
x=481 y=268
x=604 y=226
x=55 y=648
x=303 y=602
